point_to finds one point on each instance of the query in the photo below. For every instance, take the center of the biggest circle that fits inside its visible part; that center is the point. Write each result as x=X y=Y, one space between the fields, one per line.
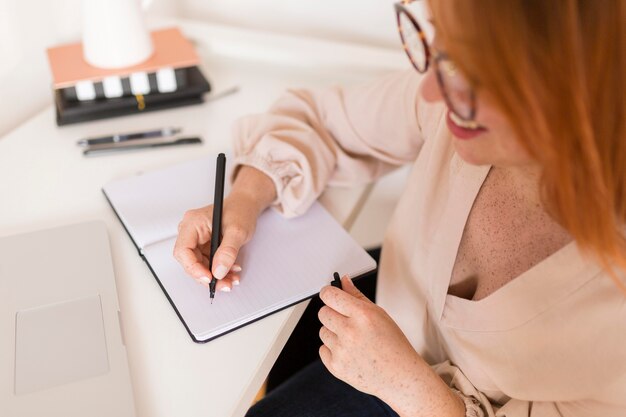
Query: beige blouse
x=552 y=342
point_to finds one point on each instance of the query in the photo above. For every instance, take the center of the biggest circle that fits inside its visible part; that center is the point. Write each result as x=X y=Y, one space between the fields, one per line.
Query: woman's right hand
x=252 y=192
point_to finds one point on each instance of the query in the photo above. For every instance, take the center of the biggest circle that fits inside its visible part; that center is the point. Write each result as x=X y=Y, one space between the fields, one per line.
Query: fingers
x=231 y=280
x=328 y=338
x=326 y=357
x=331 y=319
x=228 y=250
x=193 y=231
x=191 y=249
x=226 y=284
x=349 y=287
x=186 y=253
x=236 y=269
x=203 y=281
x=341 y=301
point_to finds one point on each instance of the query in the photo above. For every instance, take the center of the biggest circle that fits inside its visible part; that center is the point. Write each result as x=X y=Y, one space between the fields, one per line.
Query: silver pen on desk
x=122 y=137
x=113 y=149
x=165 y=132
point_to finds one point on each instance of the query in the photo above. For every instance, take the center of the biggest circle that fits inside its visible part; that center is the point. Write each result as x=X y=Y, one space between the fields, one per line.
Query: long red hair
x=557 y=70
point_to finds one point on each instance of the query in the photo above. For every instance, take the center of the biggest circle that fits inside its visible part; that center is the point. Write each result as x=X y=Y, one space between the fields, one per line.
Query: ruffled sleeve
x=336 y=136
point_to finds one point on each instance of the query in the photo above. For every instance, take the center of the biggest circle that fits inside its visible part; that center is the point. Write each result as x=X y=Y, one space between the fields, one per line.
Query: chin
x=472 y=153
x=484 y=150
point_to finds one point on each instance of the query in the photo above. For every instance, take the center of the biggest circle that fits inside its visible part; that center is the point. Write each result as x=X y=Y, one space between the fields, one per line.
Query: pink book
x=171 y=50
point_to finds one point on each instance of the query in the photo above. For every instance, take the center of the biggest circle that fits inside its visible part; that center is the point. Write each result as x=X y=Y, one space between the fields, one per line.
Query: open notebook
x=286 y=261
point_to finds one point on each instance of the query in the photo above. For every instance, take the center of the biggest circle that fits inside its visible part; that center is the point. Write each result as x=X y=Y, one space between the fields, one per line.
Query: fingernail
x=236 y=268
x=236 y=282
x=225 y=289
x=204 y=280
x=220 y=271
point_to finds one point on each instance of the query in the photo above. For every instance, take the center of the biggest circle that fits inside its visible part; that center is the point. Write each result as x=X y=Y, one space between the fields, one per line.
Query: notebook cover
x=171 y=49
x=68 y=112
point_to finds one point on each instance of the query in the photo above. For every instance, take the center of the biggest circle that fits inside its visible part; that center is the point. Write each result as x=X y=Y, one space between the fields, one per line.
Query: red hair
x=557 y=70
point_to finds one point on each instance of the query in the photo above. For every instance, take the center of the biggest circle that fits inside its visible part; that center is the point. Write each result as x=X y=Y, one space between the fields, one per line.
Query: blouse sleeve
x=608 y=403
x=338 y=136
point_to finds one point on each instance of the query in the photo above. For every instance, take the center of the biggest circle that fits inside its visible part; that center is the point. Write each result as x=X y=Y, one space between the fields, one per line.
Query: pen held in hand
x=336 y=280
x=218 y=204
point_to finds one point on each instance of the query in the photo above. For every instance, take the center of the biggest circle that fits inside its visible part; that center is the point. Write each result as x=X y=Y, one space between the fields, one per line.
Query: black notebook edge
x=63 y=119
x=180 y=317
x=141 y=255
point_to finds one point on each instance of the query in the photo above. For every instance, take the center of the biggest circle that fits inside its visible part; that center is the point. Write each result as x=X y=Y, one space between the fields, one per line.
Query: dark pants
x=315 y=392
x=298 y=372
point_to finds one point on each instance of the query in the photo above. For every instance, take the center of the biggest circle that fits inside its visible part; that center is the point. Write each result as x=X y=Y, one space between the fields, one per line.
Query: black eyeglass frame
x=437 y=57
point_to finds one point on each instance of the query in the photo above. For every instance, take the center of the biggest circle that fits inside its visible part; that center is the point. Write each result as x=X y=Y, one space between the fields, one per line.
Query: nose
x=429 y=88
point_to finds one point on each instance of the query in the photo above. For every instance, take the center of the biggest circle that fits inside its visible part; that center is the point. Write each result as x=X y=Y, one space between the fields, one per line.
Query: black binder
x=71 y=111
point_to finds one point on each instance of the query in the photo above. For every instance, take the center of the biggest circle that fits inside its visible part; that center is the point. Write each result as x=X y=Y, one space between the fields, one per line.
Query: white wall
x=28 y=27
x=366 y=21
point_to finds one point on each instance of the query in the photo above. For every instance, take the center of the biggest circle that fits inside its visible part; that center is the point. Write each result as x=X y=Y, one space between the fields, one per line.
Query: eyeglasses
x=456 y=90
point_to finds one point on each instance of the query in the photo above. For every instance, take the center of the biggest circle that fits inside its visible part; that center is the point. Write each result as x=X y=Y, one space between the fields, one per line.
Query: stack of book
x=169 y=78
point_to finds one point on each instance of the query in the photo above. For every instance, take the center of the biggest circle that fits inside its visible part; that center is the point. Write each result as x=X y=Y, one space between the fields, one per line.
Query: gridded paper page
x=285 y=262
x=151 y=205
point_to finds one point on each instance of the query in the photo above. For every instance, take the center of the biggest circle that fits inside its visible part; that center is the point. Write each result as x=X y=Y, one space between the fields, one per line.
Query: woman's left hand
x=365 y=348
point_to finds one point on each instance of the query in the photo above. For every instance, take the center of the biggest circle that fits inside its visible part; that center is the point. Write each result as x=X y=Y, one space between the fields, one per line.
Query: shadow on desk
x=303 y=345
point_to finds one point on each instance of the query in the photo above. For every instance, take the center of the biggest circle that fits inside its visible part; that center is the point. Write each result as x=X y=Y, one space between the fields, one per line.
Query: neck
x=525 y=181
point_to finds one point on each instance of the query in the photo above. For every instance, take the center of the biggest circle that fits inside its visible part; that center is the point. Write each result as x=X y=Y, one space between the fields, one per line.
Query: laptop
x=62 y=350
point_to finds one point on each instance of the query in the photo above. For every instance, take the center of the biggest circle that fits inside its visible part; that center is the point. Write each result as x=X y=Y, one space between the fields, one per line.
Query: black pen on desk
x=218 y=204
x=123 y=137
x=104 y=150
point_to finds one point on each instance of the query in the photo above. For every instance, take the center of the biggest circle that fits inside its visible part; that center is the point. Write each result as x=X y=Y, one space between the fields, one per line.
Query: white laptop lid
x=62 y=352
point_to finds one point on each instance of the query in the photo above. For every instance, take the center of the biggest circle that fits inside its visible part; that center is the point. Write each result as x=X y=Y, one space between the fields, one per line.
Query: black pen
x=218 y=203
x=123 y=137
x=103 y=150
x=336 y=281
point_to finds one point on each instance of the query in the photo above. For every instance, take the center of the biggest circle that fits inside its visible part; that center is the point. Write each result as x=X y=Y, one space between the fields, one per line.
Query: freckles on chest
x=506 y=234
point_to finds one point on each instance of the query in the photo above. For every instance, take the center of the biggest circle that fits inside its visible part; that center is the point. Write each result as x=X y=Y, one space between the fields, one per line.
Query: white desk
x=45 y=182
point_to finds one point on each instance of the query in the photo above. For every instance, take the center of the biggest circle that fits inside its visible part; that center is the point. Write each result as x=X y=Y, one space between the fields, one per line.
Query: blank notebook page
x=152 y=204
x=287 y=260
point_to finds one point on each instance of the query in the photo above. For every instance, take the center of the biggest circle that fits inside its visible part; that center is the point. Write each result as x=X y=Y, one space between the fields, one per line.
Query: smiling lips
x=462 y=129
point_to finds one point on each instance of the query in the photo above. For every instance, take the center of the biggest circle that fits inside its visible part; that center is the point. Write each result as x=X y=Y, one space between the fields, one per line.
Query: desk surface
x=46 y=182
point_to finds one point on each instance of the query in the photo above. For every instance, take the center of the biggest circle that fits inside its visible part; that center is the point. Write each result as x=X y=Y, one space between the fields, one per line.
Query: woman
x=501 y=282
